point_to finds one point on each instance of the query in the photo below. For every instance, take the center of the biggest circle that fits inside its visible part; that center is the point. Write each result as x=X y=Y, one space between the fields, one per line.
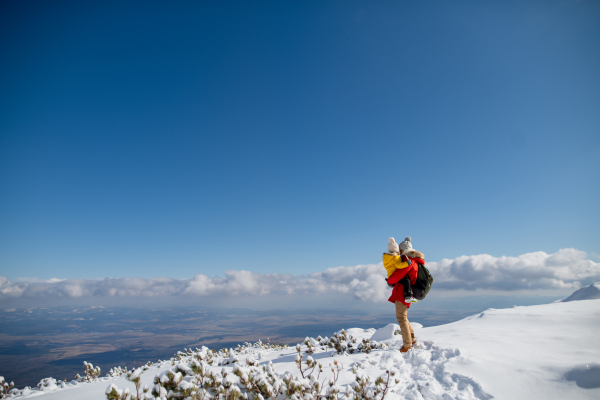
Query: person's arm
x=401 y=262
x=397 y=275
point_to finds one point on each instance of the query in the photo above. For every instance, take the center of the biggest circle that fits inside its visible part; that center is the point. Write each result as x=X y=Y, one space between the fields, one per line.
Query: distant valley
x=41 y=342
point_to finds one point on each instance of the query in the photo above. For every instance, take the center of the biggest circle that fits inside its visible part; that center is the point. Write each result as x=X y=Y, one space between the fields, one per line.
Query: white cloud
x=565 y=269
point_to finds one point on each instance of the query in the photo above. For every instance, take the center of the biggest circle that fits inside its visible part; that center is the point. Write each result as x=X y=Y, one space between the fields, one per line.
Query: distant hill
x=585 y=293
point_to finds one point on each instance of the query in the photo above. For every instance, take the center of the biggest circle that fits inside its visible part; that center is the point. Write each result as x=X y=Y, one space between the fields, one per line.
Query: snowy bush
x=5 y=387
x=47 y=384
x=310 y=363
x=344 y=343
x=135 y=377
x=113 y=392
x=193 y=378
x=91 y=373
x=362 y=390
x=116 y=371
x=310 y=348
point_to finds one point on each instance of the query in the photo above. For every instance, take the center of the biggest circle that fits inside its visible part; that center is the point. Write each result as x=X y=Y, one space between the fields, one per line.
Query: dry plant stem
x=387 y=385
x=308 y=375
x=338 y=369
x=320 y=370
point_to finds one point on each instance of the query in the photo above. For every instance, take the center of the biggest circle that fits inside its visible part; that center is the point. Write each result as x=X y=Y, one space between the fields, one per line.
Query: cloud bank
x=565 y=269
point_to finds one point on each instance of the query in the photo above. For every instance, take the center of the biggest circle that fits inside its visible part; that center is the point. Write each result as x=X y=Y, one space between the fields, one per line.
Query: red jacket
x=412 y=270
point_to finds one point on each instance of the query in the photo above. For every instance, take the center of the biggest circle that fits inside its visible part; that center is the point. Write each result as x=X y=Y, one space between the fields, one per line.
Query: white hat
x=405 y=246
x=393 y=246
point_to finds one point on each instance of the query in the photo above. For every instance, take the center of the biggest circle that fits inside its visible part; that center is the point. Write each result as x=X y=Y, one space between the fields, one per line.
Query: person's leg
x=408 y=292
x=406 y=285
x=412 y=333
x=405 y=328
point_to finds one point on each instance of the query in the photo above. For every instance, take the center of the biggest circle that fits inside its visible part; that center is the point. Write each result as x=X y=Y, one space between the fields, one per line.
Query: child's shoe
x=404 y=349
x=410 y=300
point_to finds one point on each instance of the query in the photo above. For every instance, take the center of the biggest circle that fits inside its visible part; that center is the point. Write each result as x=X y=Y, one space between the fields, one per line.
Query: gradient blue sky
x=173 y=138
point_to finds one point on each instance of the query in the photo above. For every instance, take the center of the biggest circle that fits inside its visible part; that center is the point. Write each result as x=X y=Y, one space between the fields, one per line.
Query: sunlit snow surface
x=548 y=351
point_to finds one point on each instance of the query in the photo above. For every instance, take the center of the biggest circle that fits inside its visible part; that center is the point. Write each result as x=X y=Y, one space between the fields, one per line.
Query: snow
x=386 y=333
x=527 y=352
x=547 y=351
x=110 y=388
x=390 y=331
x=586 y=293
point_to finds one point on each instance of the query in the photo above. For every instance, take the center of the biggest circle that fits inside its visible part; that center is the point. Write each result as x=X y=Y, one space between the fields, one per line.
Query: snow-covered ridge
x=585 y=293
x=539 y=352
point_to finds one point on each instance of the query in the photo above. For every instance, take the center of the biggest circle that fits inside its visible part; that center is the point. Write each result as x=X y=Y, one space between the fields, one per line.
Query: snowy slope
x=548 y=351
x=539 y=352
x=586 y=293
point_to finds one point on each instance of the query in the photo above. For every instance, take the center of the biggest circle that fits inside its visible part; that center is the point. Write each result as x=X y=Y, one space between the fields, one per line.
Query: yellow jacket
x=393 y=262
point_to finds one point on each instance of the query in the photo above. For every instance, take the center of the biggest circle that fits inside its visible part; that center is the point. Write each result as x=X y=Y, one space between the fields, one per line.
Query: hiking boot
x=404 y=349
x=410 y=300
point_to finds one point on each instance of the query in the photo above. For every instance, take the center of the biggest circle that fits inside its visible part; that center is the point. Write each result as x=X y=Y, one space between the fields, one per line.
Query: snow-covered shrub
x=356 y=365
x=193 y=378
x=248 y=347
x=91 y=373
x=5 y=387
x=362 y=390
x=310 y=364
x=365 y=346
x=147 y=366
x=204 y=354
x=166 y=382
x=233 y=358
x=339 y=342
x=251 y=362
x=310 y=348
x=135 y=376
x=47 y=384
x=113 y=393
x=342 y=343
x=116 y=371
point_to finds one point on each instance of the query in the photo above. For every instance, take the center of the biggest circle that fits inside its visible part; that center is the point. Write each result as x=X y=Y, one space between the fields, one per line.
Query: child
x=393 y=260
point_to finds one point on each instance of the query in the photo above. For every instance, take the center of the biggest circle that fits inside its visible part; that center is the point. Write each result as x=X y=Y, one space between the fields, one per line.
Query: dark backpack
x=422 y=286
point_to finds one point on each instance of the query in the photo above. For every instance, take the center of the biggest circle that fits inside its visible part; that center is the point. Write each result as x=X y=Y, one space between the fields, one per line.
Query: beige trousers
x=408 y=335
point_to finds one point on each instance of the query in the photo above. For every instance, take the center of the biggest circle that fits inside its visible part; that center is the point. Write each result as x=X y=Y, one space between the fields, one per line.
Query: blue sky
x=150 y=139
